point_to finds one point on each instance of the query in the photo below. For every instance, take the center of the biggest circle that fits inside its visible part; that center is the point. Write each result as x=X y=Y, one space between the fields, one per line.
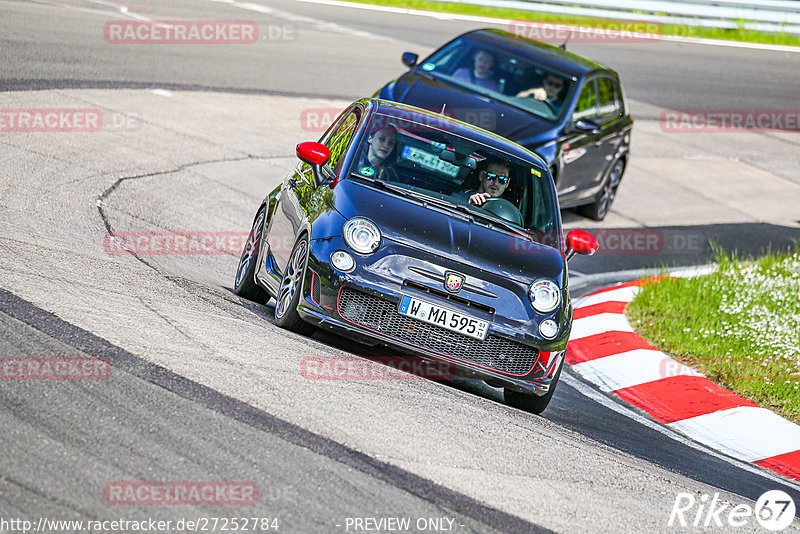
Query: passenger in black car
x=375 y=160
x=481 y=73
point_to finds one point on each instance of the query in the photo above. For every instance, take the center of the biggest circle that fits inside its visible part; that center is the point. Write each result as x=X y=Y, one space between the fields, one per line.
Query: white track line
x=597 y=324
x=493 y=20
x=623 y=294
x=668 y=431
x=737 y=432
x=301 y=19
x=630 y=368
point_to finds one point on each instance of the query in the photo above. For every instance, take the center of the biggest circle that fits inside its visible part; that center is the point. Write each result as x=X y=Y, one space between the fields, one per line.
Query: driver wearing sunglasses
x=550 y=91
x=494 y=181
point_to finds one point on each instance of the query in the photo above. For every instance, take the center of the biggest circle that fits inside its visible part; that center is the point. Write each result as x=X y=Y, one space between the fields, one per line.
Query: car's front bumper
x=509 y=357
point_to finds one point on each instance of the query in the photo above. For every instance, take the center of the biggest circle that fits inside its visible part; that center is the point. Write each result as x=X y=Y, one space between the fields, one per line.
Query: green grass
x=739 y=326
x=739 y=34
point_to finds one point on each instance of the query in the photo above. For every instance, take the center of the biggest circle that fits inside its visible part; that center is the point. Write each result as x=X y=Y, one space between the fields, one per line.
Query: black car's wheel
x=602 y=204
x=245 y=283
x=532 y=403
x=291 y=288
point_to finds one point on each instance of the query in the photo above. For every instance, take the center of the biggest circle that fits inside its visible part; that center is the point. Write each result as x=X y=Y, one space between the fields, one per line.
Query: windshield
x=506 y=76
x=430 y=161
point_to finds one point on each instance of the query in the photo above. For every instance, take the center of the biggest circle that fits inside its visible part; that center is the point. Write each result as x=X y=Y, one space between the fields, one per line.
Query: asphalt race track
x=205 y=387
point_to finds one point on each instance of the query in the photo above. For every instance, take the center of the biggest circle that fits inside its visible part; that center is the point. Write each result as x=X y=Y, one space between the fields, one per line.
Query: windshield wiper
x=382 y=184
x=471 y=214
x=494 y=220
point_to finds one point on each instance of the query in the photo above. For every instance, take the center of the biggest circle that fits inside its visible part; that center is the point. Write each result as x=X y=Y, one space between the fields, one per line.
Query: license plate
x=443 y=317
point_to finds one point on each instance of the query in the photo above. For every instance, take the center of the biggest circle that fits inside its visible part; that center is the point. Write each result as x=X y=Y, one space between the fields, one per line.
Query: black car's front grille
x=495 y=352
x=315 y=290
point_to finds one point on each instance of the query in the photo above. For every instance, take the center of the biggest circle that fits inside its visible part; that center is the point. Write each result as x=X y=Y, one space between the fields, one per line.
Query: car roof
x=546 y=55
x=463 y=129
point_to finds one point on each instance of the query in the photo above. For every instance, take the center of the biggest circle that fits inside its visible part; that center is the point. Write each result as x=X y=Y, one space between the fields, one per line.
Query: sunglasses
x=491 y=177
x=551 y=83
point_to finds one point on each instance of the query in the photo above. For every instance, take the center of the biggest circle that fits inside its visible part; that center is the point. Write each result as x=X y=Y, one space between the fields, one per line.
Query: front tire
x=598 y=209
x=291 y=290
x=532 y=403
x=244 y=284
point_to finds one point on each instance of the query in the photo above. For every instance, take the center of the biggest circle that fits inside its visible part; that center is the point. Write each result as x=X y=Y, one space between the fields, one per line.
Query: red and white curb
x=604 y=350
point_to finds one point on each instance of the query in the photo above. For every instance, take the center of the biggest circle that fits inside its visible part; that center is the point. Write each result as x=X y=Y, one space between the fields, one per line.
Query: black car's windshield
x=506 y=76
x=430 y=161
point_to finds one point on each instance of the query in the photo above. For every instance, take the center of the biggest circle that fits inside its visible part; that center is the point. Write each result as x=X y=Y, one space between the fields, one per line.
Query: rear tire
x=532 y=403
x=244 y=284
x=291 y=290
x=598 y=209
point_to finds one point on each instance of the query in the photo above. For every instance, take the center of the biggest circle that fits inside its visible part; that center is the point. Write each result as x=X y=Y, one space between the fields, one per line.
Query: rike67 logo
x=775 y=510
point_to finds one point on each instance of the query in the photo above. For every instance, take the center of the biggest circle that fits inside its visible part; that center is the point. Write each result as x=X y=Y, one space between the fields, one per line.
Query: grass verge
x=738 y=34
x=739 y=326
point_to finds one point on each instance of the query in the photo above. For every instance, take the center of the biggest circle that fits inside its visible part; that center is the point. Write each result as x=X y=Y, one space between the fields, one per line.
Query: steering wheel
x=551 y=106
x=503 y=209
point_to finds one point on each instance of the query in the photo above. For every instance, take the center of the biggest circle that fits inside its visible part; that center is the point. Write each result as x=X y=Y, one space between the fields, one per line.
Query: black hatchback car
x=567 y=109
x=417 y=231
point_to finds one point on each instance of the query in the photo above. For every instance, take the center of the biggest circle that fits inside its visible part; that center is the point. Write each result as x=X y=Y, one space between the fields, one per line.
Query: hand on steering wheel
x=479 y=198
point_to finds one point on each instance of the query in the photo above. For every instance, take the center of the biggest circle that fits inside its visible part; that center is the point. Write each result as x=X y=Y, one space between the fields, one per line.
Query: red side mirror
x=313 y=153
x=581 y=242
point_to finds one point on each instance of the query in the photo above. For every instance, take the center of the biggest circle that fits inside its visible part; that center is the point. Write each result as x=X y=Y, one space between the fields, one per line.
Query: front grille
x=315 y=291
x=495 y=352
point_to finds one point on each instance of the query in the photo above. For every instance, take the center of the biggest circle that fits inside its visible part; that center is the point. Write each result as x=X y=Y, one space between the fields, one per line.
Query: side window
x=609 y=102
x=339 y=138
x=587 y=103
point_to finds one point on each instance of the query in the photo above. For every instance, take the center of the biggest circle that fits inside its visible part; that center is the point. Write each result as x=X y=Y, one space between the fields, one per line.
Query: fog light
x=548 y=328
x=343 y=261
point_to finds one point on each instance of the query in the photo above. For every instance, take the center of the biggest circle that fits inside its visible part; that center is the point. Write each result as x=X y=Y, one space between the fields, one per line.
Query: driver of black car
x=551 y=91
x=494 y=179
x=375 y=160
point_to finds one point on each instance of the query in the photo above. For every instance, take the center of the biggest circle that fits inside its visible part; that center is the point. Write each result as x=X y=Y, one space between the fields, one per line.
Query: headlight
x=361 y=235
x=545 y=296
x=548 y=328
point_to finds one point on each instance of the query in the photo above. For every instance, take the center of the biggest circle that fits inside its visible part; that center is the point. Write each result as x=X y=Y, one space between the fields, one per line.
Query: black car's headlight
x=545 y=295
x=361 y=235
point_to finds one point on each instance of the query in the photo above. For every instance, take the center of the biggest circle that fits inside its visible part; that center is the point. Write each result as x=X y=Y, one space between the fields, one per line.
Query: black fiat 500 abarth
x=414 y=230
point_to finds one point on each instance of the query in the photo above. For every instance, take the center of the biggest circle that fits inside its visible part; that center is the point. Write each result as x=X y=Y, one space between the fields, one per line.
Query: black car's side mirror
x=586 y=126
x=409 y=59
x=316 y=155
x=580 y=242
